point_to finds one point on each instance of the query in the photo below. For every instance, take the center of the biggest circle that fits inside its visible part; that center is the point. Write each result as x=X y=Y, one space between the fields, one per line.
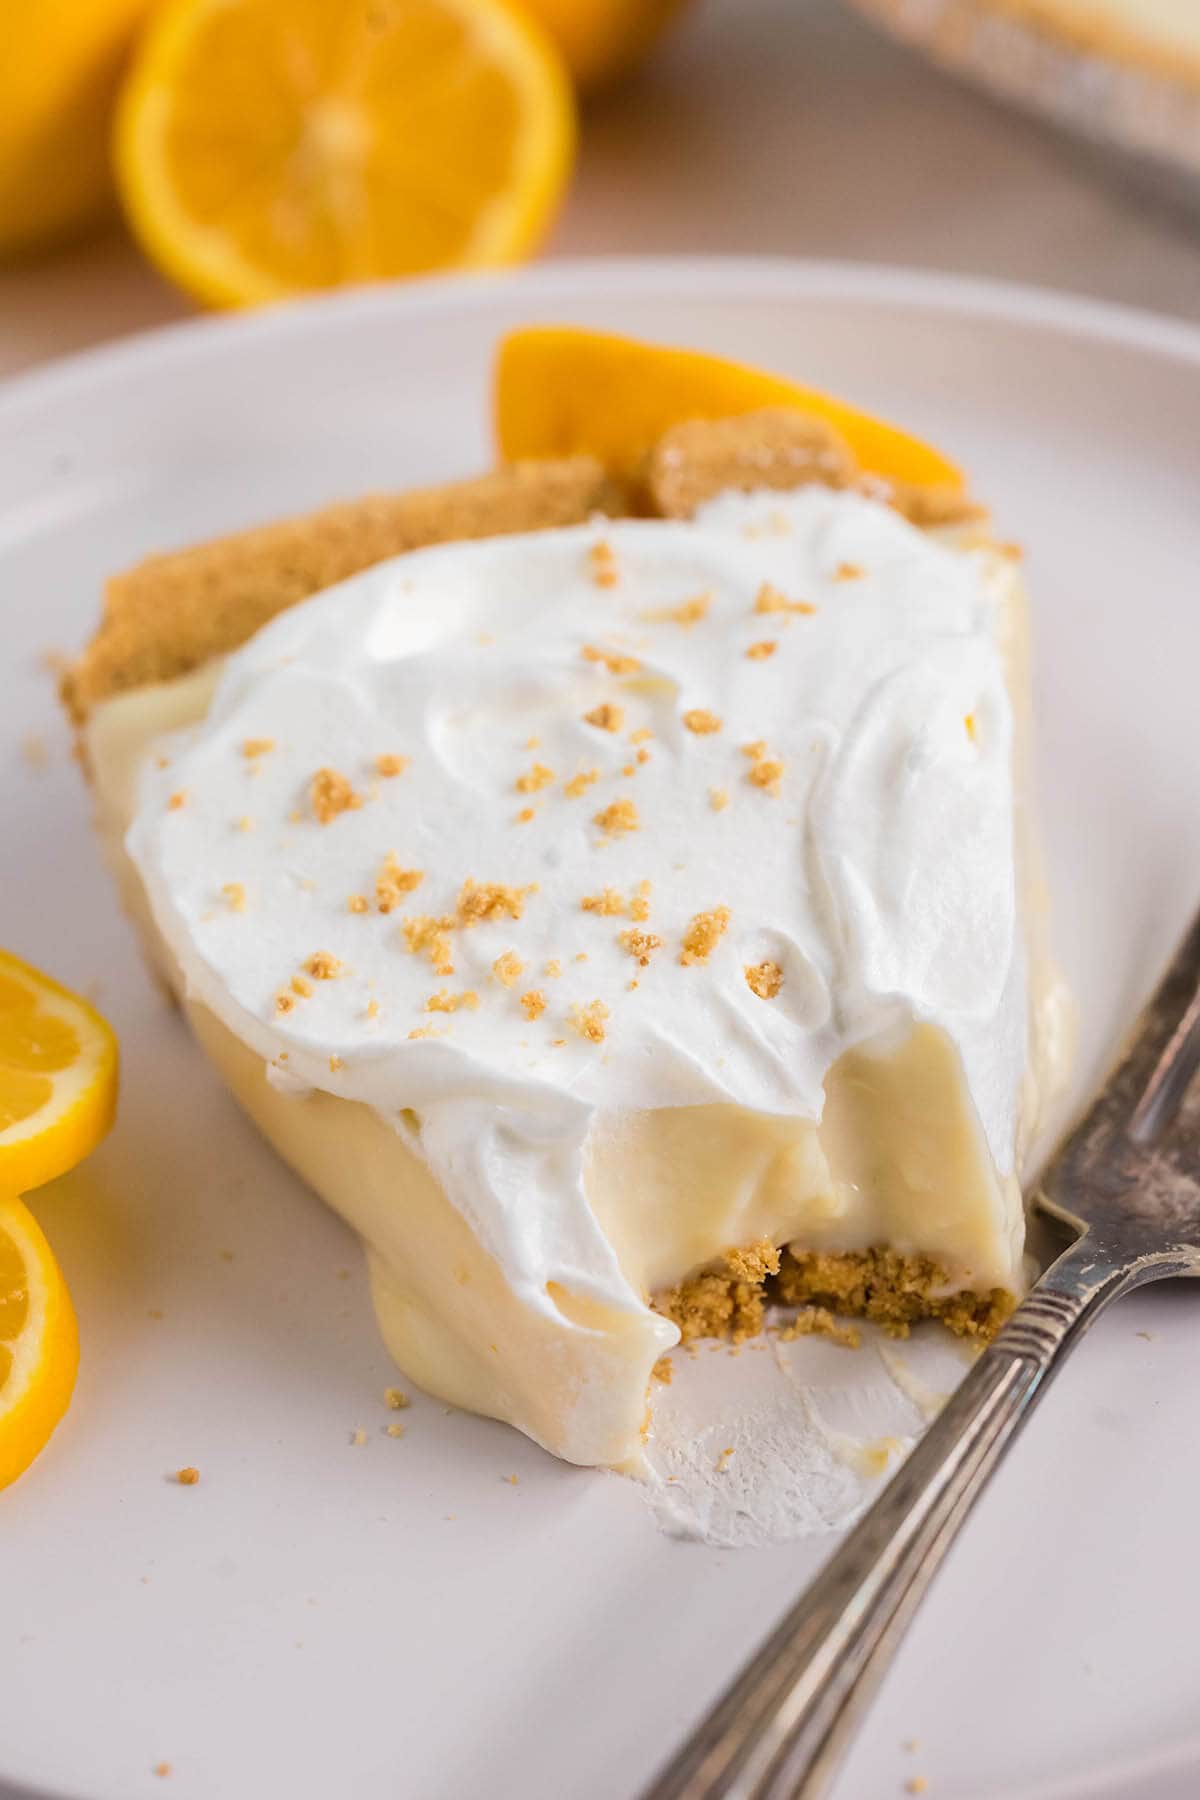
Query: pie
x=1125 y=70
x=614 y=895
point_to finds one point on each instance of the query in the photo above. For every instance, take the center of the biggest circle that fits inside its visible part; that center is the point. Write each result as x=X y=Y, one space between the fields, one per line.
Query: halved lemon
x=39 y=1342
x=60 y=67
x=560 y=391
x=603 y=39
x=58 y=1077
x=265 y=147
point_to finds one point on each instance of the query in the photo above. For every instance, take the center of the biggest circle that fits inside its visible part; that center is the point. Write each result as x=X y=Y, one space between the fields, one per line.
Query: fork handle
x=780 y=1730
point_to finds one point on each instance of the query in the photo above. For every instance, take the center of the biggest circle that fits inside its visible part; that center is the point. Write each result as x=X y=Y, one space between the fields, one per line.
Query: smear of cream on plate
x=782 y=1440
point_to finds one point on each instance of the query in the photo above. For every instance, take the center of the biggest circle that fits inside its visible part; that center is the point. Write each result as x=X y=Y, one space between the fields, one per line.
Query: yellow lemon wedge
x=58 y=1077
x=39 y=1342
x=560 y=390
x=266 y=147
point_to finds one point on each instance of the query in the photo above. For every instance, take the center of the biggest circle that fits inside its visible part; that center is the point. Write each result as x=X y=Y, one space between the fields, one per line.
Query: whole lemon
x=60 y=67
x=601 y=39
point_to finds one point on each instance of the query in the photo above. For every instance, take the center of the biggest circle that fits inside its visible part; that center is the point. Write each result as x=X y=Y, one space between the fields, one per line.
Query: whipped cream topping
x=661 y=814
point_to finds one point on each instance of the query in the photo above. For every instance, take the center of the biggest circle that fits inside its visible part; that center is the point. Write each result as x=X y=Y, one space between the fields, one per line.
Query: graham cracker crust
x=887 y=1287
x=171 y=613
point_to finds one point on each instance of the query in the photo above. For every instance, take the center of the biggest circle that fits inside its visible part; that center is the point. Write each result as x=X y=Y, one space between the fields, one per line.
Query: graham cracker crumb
x=766 y=772
x=603 y=560
x=664 y=1371
x=727 y=1301
x=770 y=600
x=389 y=765
x=892 y=1288
x=534 y=1003
x=252 y=747
x=427 y=931
x=614 y=660
x=358 y=903
x=446 y=1002
x=580 y=783
x=764 y=979
x=617 y=818
x=539 y=776
x=393 y=882
x=760 y=651
x=178 y=798
x=330 y=794
x=818 y=1321
x=703 y=934
x=187 y=1477
x=508 y=968
x=701 y=721
x=848 y=571
x=235 y=894
x=606 y=716
x=322 y=965
x=611 y=903
x=688 y=612
x=640 y=945
x=553 y=968
x=481 y=901
x=718 y=798
x=396 y=1399
x=588 y=1020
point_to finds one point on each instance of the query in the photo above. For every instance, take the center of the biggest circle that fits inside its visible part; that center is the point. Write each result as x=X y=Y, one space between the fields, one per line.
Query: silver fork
x=1127 y=1184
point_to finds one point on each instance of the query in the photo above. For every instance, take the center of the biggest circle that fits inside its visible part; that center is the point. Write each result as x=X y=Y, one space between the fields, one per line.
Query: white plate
x=322 y=1620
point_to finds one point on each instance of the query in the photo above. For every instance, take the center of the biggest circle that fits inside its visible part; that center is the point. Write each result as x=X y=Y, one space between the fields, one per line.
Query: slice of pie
x=613 y=896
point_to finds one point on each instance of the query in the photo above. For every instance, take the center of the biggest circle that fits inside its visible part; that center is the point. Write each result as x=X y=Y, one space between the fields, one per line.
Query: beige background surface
x=786 y=127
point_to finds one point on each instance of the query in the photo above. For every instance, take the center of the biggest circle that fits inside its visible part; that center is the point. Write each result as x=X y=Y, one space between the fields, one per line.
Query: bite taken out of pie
x=609 y=884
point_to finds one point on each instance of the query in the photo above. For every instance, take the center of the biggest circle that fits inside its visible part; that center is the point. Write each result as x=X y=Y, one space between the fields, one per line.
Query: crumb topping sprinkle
x=330 y=794
x=703 y=935
x=764 y=979
x=701 y=721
